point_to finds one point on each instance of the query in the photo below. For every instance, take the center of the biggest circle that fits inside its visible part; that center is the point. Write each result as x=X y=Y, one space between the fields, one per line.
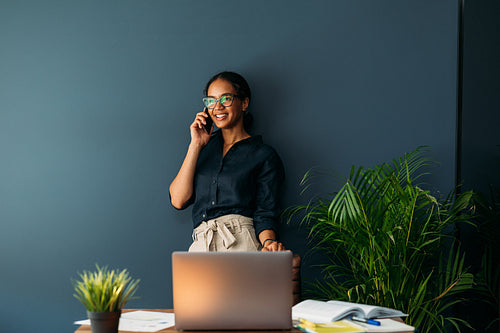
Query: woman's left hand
x=273 y=246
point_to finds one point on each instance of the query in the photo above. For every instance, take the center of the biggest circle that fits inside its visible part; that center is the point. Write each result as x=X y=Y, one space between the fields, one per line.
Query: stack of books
x=313 y=316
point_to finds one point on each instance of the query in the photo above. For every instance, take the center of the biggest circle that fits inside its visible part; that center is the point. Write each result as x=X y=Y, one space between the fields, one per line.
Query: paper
x=386 y=325
x=141 y=321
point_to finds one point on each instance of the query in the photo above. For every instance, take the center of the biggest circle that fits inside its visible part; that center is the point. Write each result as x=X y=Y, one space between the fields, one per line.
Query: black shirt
x=246 y=182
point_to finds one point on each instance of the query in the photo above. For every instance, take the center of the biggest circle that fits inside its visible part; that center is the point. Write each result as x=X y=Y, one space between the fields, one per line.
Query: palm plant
x=105 y=290
x=383 y=238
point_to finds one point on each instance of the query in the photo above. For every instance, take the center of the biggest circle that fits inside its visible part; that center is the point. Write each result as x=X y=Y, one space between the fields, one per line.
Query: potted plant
x=387 y=241
x=104 y=292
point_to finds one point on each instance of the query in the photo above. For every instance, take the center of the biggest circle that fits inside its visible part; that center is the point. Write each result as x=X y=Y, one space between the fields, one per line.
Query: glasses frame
x=218 y=100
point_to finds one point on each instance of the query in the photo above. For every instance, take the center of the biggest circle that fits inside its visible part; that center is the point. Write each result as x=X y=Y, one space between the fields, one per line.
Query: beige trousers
x=225 y=233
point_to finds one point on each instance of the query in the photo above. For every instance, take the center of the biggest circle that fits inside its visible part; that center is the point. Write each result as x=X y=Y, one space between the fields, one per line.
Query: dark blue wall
x=481 y=115
x=481 y=136
x=96 y=98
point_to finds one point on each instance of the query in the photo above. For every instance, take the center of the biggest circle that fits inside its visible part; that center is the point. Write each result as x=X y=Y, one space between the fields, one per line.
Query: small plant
x=105 y=290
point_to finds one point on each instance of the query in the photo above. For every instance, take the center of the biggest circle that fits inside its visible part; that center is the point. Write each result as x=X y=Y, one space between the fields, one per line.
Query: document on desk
x=141 y=321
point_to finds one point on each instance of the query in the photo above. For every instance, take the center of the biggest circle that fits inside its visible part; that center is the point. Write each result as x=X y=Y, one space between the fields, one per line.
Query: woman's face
x=226 y=117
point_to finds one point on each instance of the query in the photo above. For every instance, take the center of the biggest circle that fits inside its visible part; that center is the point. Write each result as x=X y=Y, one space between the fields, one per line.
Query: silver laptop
x=232 y=290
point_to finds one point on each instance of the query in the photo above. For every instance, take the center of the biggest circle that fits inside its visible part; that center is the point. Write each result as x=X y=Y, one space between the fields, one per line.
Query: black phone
x=210 y=122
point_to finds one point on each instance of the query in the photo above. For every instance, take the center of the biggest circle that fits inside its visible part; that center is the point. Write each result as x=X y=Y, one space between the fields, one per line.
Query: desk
x=86 y=328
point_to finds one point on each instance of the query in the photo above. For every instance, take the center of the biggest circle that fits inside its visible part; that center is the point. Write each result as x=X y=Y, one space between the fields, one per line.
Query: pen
x=366 y=321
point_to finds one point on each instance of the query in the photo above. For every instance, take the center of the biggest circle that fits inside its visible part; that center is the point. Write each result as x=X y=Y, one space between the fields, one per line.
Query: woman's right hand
x=199 y=136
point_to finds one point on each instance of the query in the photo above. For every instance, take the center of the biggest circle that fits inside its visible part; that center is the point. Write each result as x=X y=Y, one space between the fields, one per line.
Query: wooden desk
x=86 y=328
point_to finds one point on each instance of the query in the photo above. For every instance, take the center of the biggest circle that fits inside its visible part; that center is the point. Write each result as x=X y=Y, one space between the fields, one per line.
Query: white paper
x=141 y=321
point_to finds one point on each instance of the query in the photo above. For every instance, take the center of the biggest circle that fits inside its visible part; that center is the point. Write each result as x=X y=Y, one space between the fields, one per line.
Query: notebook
x=232 y=290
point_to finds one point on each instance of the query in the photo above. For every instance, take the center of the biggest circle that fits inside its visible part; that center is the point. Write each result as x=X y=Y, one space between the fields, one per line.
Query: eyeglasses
x=225 y=100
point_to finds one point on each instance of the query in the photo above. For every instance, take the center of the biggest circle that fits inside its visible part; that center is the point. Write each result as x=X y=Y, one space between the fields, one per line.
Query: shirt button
x=204 y=216
x=214 y=181
x=213 y=203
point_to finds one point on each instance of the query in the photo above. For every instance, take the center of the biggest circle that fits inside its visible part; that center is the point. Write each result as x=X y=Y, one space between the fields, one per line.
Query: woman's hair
x=242 y=90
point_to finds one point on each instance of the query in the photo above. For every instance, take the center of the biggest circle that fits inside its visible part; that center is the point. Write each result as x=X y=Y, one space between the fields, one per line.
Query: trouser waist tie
x=207 y=229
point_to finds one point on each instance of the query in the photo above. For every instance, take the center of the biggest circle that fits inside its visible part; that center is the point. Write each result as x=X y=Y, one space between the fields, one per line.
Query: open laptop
x=232 y=290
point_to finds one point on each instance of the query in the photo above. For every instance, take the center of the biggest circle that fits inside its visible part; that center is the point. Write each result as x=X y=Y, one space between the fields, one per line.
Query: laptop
x=232 y=290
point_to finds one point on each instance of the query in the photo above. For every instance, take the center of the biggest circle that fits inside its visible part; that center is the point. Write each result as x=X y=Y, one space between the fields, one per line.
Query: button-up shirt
x=245 y=181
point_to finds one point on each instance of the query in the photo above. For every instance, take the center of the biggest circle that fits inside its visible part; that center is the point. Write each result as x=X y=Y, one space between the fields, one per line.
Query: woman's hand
x=268 y=240
x=199 y=136
x=273 y=246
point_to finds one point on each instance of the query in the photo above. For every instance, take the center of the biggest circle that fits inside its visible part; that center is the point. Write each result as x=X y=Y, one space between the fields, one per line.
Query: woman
x=232 y=178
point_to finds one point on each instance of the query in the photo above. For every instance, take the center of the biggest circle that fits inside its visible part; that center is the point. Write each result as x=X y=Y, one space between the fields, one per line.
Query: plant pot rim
x=94 y=314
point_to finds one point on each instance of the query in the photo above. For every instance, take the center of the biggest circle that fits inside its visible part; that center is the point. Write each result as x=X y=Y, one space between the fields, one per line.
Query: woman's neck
x=231 y=136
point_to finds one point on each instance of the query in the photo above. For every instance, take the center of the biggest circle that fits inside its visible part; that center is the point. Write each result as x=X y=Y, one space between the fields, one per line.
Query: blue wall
x=96 y=98
x=481 y=116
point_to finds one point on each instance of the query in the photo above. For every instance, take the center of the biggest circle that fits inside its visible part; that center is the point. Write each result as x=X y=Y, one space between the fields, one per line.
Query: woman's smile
x=220 y=116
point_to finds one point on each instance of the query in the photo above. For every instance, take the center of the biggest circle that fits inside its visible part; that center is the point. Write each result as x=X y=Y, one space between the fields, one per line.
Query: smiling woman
x=232 y=178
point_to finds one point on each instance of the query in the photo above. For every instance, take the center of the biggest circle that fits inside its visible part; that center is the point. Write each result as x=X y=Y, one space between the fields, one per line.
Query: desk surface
x=86 y=328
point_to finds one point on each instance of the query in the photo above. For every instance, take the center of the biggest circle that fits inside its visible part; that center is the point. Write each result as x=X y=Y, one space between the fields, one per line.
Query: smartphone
x=210 y=122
